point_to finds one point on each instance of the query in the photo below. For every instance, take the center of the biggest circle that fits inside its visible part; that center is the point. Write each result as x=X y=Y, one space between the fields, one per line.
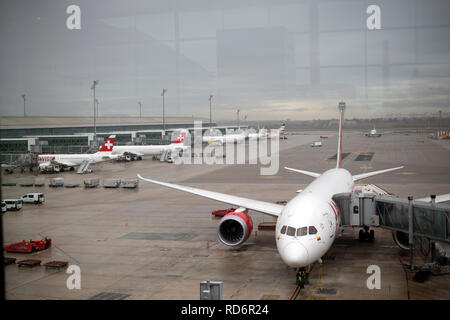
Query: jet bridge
x=369 y=205
x=409 y=220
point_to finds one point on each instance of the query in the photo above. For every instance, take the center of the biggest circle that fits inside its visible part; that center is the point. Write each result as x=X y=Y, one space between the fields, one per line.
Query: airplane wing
x=439 y=198
x=271 y=209
x=357 y=177
x=308 y=173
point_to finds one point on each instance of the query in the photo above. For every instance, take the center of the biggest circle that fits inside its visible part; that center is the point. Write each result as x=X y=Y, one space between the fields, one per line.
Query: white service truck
x=34 y=197
x=13 y=204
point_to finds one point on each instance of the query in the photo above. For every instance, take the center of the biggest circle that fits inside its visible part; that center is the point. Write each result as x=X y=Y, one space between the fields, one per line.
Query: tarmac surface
x=158 y=243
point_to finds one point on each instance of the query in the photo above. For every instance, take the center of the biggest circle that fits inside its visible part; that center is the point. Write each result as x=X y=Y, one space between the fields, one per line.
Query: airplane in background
x=279 y=133
x=137 y=151
x=227 y=138
x=261 y=134
x=78 y=160
x=373 y=133
x=306 y=226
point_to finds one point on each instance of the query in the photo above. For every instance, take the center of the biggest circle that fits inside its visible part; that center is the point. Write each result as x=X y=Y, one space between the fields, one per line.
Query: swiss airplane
x=177 y=145
x=227 y=138
x=306 y=226
x=74 y=160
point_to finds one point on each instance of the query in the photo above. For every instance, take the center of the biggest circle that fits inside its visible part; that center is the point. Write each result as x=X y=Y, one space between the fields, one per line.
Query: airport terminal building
x=75 y=134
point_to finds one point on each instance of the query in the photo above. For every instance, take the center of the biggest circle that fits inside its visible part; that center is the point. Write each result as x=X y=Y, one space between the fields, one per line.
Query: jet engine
x=401 y=239
x=235 y=228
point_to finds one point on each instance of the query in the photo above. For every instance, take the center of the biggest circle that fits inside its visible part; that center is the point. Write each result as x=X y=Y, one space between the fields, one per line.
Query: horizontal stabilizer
x=373 y=173
x=439 y=198
x=308 y=173
x=256 y=205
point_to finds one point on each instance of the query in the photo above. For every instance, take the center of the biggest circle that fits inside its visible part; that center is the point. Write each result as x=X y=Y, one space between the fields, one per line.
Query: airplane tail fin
x=108 y=145
x=341 y=120
x=180 y=138
x=281 y=130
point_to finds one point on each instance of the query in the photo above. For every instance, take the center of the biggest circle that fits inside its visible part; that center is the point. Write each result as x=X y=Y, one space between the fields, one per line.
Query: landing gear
x=301 y=277
x=365 y=235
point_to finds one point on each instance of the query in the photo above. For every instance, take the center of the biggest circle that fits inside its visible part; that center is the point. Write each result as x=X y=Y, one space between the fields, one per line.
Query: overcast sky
x=272 y=59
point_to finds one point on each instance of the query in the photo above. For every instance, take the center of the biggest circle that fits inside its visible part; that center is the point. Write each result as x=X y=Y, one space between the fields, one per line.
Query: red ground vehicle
x=29 y=246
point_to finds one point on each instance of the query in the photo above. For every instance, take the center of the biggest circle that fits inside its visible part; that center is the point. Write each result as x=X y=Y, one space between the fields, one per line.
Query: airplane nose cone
x=295 y=255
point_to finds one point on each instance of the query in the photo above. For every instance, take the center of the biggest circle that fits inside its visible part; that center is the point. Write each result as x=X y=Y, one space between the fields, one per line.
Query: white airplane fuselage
x=228 y=138
x=73 y=160
x=312 y=207
x=148 y=150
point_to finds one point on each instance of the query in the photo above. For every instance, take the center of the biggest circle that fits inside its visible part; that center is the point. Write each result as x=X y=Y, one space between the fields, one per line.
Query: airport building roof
x=57 y=122
x=17 y=127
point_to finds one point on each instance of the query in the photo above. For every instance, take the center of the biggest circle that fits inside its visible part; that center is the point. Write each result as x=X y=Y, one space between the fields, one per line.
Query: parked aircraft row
x=108 y=152
x=242 y=135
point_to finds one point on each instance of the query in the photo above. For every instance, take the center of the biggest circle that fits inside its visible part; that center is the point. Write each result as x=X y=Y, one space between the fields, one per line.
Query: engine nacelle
x=235 y=228
x=401 y=239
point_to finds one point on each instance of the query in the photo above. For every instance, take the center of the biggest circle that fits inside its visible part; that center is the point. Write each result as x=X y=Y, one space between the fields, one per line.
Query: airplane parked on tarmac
x=76 y=160
x=373 y=133
x=279 y=133
x=306 y=226
x=261 y=134
x=137 y=151
x=227 y=138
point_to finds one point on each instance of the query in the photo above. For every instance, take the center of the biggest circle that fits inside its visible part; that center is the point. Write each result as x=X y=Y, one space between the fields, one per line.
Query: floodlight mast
x=140 y=110
x=210 y=112
x=94 y=84
x=24 y=110
x=164 y=115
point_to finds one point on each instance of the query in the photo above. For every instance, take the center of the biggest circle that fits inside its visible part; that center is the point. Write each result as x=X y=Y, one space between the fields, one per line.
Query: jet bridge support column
x=411 y=230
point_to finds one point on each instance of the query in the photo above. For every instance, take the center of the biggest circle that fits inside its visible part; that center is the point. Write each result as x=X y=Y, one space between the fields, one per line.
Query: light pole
x=24 y=110
x=238 y=117
x=210 y=113
x=140 y=110
x=94 y=84
x=164 y=120
x=96 y=101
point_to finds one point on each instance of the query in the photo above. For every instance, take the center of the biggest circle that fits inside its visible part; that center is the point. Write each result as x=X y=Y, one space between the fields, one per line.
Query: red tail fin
x=108 y=145
x=341 y=120
x=180 y=138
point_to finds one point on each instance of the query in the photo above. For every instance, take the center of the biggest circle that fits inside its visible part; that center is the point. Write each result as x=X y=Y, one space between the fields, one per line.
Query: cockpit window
x=291 y=231
x=312 y=230
x=302 y=231
x=283 y=230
